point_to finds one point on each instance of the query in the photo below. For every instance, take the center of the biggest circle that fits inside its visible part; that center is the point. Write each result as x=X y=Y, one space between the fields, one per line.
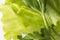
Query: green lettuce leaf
x=25 y=17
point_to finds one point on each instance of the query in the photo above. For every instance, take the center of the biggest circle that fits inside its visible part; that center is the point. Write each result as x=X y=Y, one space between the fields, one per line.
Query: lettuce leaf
x=20 y=18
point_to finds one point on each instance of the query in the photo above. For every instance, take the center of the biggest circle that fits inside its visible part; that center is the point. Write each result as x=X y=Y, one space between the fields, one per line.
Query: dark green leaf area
x=55 y=5
x=44 y=35
x=32 y=4
x=26 y=38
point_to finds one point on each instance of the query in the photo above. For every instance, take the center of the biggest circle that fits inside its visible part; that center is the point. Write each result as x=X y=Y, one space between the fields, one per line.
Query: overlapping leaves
x=31 y=20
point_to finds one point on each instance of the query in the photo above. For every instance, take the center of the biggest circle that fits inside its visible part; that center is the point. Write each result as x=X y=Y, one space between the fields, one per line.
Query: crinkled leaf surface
x=26 y=21
x=18 y=18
